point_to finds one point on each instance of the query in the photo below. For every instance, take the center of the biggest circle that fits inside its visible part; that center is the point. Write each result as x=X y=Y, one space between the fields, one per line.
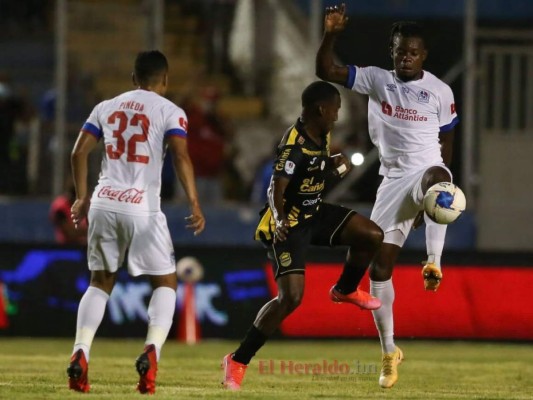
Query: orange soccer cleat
x=360 y=298
x=77 y=372
x=146 y=365
x=233 y=372
x=432 y=276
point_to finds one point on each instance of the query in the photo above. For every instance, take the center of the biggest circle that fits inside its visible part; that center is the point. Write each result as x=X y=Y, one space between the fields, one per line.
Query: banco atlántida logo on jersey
x=309 y=186
x=408 y=114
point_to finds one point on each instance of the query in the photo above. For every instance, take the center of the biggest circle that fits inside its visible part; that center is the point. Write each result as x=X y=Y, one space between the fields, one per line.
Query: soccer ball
x=444 y=202
x=189 y=269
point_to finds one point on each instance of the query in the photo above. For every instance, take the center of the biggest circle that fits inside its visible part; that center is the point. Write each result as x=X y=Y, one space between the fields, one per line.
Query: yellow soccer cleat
x=432 y=276
x=389 y=368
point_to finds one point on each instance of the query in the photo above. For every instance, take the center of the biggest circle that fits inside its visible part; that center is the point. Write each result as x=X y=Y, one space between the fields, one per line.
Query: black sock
x=350 y=278
x=252 y=342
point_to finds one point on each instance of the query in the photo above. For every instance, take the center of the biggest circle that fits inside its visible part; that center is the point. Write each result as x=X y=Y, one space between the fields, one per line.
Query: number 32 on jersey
x=130 y=148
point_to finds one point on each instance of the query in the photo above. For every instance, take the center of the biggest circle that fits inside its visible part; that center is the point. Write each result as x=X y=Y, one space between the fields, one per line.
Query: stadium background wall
x=42 y=285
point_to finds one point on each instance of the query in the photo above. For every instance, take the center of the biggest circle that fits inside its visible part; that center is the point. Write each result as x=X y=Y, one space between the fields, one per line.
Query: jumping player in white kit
x=411 y=118
x=125 y=214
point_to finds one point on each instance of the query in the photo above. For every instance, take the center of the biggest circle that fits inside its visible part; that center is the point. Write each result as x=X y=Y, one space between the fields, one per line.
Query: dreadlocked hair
x=406 y=29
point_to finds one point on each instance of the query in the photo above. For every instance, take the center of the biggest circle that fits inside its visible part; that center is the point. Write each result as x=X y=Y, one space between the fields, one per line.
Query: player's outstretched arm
x=185 y=172
x=79 y=165
x=325 y=67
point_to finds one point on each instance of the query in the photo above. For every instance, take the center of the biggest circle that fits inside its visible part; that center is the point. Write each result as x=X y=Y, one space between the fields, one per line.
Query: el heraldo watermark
x=323 y=369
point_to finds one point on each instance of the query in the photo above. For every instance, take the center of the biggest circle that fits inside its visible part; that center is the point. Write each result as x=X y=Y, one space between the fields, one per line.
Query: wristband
x=341 y=169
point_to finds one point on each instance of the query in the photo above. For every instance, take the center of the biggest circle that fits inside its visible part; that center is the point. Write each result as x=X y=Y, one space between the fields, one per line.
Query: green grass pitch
x=35 y=369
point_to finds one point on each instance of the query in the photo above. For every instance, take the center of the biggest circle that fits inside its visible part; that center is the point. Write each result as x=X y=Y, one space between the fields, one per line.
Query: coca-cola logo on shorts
x=130 y=195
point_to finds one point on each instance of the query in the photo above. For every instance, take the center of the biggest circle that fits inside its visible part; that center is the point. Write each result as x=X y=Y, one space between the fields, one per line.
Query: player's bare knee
x=376 y=236
x=290 y=301
x=435 y=175
x=103 y=280
x=380 y=272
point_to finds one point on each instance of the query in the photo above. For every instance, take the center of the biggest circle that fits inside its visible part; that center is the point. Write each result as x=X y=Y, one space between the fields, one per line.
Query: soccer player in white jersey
x=125 y=214
x=411 y=118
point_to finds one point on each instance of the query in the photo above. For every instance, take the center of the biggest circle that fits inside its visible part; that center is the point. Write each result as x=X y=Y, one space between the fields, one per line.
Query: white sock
x=383 y=317
x=90 y=313
x=160 y=313
x=435 y=234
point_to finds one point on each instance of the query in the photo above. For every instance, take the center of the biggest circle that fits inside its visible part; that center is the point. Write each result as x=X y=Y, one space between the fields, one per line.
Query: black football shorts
x=322 y=229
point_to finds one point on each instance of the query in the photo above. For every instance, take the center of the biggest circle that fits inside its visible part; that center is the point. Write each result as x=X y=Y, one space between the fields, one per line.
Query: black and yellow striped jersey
x=305 y=164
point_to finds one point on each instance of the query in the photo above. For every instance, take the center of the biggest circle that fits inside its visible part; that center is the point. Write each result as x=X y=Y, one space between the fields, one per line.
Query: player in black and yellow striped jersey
x=296 y=217
x=306 y=164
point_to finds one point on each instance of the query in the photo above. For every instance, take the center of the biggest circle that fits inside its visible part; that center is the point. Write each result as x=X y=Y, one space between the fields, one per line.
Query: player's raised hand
x=335 y=19
x=196 y=221
x=78 y=211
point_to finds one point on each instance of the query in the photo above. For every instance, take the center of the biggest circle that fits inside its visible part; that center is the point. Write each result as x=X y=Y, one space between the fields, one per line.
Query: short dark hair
x=318 y=91
x=150 y=65
x=406 y=29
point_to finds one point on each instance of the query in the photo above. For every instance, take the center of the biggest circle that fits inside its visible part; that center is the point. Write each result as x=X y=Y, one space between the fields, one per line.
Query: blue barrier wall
x=26 y=221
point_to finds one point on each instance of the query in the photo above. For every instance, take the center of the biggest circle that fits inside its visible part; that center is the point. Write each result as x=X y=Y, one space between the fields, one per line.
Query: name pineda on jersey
x=131 y=195
x=407 y=114
x=131 y=105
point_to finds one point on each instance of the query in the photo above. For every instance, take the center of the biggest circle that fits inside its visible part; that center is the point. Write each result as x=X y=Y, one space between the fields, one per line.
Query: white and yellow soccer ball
x=444 y=202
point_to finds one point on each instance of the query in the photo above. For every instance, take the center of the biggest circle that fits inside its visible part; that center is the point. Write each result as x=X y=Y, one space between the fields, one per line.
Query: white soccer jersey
x=133 y=126
x=405 y=118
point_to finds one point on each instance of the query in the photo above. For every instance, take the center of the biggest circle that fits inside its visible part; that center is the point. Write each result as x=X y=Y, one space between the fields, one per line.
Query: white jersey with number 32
x=133 y=126
x=405 y=118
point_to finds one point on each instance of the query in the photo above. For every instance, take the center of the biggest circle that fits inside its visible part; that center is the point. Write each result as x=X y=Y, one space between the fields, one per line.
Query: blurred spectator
x=12 y=155
x=210 y=147
x=25 y=130
x=59 y=214
x=261 y=183
x=79 y=99
x=78 y=106
x=262 y=177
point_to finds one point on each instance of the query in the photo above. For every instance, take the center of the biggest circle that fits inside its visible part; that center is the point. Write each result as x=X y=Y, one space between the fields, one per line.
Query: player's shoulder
x=373 y=70
x=166 y=105
x=436 y=82
x=293 y=135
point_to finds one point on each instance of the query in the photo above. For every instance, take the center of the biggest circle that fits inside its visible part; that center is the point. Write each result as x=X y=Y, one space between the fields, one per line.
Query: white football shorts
x=145 y=239
x=398 y=201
